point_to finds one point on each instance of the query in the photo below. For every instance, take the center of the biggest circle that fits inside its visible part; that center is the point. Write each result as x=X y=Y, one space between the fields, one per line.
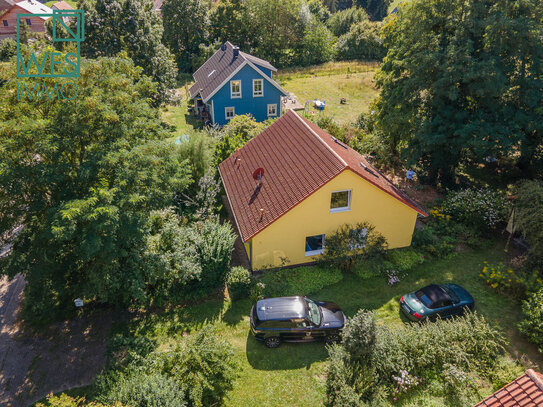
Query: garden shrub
x=351 y=244
x=8 y=49
x=63 y=400
x=505 y=279
x=239 y=283
x=125 y=350
x=204 y=366
x=505 y=371
x=406 y=354
x=405 y=259
x=532 y=323
x=482 y=208
x=299 y=280
x=139 y=389
x=340 y=376
x=529 y=217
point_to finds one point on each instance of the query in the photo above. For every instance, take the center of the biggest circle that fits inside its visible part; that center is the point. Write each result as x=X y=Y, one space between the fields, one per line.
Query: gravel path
x=69 y=354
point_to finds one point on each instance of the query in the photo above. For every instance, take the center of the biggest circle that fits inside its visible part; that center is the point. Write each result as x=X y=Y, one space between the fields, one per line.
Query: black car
x=296 y=319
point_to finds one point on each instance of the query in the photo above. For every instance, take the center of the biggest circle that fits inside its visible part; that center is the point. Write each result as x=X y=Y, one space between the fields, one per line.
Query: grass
x=294 y=374
x=179 y=117
x=70 y=2
x=331 y=82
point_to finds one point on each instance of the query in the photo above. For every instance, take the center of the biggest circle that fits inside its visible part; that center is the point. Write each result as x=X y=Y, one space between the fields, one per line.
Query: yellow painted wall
x=285 y=238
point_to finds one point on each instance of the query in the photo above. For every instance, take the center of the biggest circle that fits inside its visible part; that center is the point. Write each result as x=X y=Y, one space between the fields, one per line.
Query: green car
x=435 y=300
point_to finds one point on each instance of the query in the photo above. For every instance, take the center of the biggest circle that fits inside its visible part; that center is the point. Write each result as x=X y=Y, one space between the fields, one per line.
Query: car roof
x=435 y=293
x=281 y=308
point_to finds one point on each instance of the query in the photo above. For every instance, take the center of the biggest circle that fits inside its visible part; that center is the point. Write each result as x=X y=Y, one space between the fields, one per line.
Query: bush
x=359 y=335
x=239 y=283
x=299 y=281
x=63 y=400
x=204 y=366
x=341 y=22
x=125 y=350
x=482 y=208
x=351 y=244
x=529 y=216
x=405 y=259
x=532 y=324
x=509 y=281
x=139 y=389
x=362 y=41
x=8 y=49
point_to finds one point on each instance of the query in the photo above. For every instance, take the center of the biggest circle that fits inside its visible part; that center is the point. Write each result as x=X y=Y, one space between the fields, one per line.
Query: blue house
x=232 y=83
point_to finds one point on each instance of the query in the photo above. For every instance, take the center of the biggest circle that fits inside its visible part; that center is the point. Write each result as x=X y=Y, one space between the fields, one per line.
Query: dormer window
x=258 y=87
x=235 y=89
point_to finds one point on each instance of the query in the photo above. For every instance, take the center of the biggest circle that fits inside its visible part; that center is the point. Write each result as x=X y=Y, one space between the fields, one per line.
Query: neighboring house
x=232 y=83
x=310 y=184
x=8 y=21
x=5 y=5
x=61 y=5
x=525 y=391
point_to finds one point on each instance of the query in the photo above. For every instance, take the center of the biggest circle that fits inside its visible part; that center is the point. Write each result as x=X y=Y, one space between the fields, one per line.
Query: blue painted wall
x=257 y=106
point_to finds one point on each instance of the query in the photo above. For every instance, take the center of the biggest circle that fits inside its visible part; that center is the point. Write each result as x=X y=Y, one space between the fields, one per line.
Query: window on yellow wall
x=340 y=201
x=314 y=245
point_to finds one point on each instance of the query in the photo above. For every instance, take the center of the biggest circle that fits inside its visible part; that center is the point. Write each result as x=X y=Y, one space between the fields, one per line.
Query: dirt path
x=68 y=355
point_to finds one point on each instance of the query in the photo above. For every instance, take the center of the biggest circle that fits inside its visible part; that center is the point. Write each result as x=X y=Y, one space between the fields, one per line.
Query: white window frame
x=315 y=252
x=235 y=95
x=261 y=94
x=343 y=208
x=364 y=232
x=226 y=110
x=275 y=107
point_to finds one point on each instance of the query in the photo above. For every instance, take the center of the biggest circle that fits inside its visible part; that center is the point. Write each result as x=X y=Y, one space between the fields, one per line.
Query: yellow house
x=294 y=183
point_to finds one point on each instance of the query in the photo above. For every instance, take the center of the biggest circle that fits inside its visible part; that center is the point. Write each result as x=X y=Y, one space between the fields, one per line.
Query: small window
x=235 y=89
x=28 y=22
x=341 y=201
x=229 y=112
x=5 y=22
x=258 y=87
x=357 y=238
x=314 y=245
x=272 y=110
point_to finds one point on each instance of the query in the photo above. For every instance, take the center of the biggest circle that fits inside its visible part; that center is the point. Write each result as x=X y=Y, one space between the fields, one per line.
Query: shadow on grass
x=237 y=310
x=287 y=356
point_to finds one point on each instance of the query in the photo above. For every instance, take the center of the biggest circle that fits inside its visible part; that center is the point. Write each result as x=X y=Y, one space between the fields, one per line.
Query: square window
x=341 y=201
x=357 y=238
x=272 y=110
x=28 y=22
x=5 y=22
x=235 y=89
x=258 y=87
x=314 y=245
x=229 y=112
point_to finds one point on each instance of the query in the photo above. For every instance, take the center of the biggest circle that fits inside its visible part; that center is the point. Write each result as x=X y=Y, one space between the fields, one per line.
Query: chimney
x=223 y=47
x=261 y=213
x=236 y=51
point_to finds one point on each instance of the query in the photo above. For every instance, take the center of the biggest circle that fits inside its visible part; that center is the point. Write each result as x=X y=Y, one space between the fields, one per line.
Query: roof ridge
x=536 y=378
x=319 y=138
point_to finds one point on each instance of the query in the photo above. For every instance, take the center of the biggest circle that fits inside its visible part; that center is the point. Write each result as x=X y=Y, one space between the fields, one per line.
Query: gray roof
x=281 y=308
x=219 y=68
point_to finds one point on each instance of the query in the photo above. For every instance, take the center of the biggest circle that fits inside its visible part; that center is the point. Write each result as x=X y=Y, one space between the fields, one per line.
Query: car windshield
x=452 y=294
x=313 y=312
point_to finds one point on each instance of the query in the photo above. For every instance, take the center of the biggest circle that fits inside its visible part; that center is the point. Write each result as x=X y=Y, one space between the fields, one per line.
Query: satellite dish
x=258 y=174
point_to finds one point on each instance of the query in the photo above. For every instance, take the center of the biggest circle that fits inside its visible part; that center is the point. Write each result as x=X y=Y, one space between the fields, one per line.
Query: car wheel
x=331 y=339
x=272 y=342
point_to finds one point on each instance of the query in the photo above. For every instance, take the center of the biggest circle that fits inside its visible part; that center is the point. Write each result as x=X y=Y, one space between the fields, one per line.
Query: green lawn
x=293 y=374
x=70 y=2
x=331 y=82
x=179 y=117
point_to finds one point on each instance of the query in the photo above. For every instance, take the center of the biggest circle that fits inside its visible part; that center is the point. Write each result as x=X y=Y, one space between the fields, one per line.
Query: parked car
x=435 y=300
x=296 y=319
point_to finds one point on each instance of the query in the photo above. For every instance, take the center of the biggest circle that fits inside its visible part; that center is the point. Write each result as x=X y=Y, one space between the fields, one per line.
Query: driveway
x=65 y=355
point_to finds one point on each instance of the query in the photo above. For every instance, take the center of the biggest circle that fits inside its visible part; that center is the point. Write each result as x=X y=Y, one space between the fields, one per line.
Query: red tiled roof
x=298 y=158
x=62 y=5
x=525 y=391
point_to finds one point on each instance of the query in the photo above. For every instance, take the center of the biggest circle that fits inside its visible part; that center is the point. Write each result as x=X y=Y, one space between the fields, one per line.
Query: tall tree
x=113 y=26
x=376 y=9
x=229 y=21
x=463 y=80
x=186 y=26
x=82 y=179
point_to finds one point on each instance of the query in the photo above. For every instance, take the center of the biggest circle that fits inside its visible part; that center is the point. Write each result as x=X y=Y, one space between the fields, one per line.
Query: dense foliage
x=63 y=400
x=113 y=26
x=528 y=216
x=352 y=243
x=462 y=83
x=532 y=324
x=378 y=360
x=239 y=283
